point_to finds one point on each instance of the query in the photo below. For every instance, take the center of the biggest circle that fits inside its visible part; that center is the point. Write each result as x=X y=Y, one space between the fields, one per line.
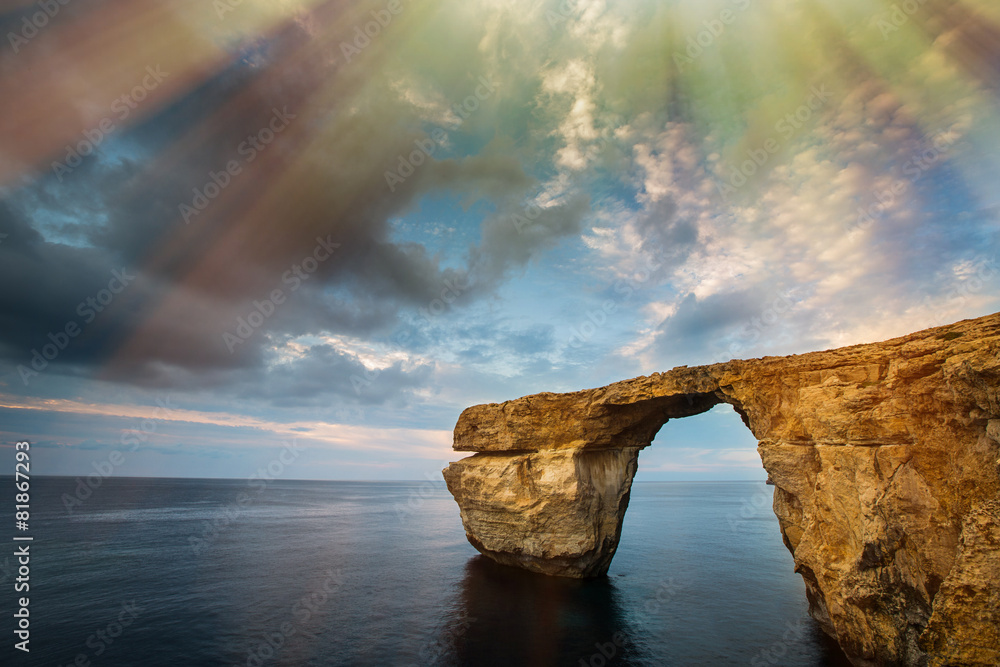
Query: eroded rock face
x=885 y=460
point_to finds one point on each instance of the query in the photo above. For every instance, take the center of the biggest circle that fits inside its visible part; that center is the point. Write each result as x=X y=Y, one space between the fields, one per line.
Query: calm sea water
x=151 y=572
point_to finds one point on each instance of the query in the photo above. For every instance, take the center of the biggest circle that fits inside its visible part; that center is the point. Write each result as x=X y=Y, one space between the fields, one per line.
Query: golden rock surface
x=885 y=460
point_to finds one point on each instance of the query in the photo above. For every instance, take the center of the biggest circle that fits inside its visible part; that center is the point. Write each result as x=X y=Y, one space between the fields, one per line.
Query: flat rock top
x=554 y=420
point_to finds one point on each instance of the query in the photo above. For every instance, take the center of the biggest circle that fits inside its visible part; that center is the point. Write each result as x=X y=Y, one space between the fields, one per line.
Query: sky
x=300 y=236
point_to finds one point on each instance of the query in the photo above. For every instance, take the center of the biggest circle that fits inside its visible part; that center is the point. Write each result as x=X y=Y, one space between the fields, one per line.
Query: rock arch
x=885 y=459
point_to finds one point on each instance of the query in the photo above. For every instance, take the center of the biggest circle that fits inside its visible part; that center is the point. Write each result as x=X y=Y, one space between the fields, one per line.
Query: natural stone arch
x=884 y=459
x=576 y=469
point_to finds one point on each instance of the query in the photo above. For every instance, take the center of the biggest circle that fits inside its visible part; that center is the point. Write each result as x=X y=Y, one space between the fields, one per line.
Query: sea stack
x=885 y=460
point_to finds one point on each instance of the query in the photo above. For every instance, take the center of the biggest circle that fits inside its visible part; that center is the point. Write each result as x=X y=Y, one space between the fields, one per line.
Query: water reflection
x=506 y=616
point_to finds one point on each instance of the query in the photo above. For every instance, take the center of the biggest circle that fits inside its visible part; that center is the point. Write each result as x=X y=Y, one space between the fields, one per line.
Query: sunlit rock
x=885 y=460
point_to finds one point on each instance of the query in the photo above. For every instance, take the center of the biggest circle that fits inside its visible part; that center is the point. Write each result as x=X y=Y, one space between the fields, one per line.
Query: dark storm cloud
x=695 y=316
x=528 y=342
x=108 y=214
x=970 y=39
x=46 y=288
x=323 y=374
x=195 y=273
x=698 y=326
x=511 y=238
x=666 y=236
x=485 y=344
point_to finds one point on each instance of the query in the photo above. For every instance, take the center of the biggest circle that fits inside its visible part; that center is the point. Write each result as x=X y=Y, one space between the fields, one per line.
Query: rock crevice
x=885 y=460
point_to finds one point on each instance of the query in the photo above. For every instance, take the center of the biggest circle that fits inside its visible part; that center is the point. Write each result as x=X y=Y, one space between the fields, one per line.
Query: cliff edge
x=885 y=460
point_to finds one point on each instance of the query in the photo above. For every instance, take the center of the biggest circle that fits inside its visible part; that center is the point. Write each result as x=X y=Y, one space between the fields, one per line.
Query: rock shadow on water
x=507 y=616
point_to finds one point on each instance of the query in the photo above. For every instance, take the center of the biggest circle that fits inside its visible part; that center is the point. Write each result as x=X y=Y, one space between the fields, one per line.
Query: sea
x=188 y=572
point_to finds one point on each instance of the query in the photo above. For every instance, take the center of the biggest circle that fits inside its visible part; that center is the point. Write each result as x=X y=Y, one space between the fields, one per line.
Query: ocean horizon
x=580 y=241
x=166 y=571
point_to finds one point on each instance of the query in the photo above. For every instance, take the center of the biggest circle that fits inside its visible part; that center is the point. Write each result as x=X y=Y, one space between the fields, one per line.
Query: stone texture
x=885 y=460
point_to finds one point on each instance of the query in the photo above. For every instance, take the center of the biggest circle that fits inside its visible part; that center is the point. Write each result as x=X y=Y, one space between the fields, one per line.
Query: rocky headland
x=885 y=460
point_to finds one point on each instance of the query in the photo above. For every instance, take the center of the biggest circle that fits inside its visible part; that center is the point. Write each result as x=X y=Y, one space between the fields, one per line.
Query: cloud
x=206 y=245
x=439 y=213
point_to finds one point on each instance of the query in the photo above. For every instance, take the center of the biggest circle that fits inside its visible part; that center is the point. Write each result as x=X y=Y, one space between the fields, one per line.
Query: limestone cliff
x=885 y=460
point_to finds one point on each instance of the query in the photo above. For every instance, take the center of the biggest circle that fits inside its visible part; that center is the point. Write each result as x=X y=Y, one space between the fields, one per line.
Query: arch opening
x=709 y=443
x=700 y=518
